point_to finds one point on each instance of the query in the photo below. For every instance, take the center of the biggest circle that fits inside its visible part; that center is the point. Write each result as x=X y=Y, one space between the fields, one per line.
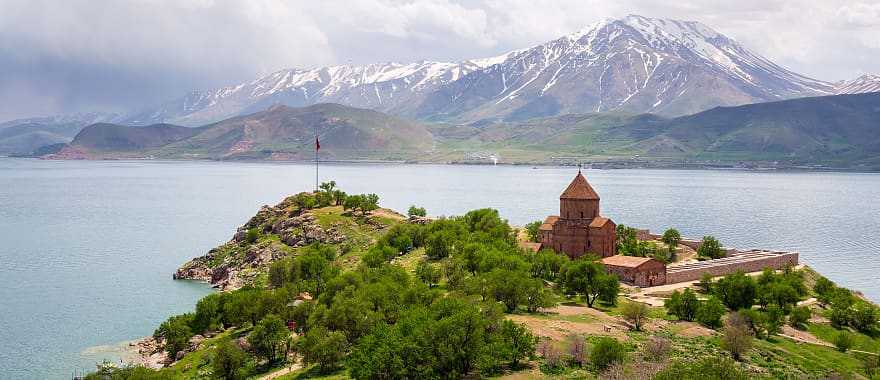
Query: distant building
x=638 y=271
x=579 y=228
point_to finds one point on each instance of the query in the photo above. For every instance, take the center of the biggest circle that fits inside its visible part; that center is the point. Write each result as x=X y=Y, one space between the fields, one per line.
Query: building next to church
x=579 y=228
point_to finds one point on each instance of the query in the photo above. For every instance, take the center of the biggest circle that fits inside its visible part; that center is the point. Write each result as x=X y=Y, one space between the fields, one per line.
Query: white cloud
x=151 y=50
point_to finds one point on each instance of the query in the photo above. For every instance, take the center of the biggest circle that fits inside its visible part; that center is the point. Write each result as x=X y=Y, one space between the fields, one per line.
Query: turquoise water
x=88 y=248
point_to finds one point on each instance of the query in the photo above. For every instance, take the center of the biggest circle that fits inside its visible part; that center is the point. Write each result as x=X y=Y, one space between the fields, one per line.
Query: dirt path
x=561 y=321
x=281 y=372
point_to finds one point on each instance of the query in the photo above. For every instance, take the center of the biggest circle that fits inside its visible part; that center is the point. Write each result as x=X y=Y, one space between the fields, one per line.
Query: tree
x=671 y=238
x=843 y=341
x=586 y=276
x=710 y=248
x=439 y=244
x=229 y=362
x=377 y=255
x=799 y=316
x=176 y=331
x=324 y=348
x=536 y=296
x=636 y=313
x=268 y=338
x=518 y=342
x=736 y=337
x=736 y=291
x=509 y=287
x=416 y=211
x=533 y=230
x=823 y=289
x=683 y=305
x=709 y=367
x=607 y=351
x=773 y=320
x=710 y=312
x=208 y=314
x=627 y=243
x=547 y=264
x=706 y=283
x=339 y=197
x=427 y=273
x=863 y=317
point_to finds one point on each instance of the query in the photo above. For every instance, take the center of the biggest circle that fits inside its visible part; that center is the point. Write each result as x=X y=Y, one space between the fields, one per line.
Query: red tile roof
x=626 y=261
x=579 y=188
x=598 y=222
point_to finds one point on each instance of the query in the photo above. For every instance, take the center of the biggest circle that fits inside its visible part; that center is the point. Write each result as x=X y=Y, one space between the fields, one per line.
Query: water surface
x=89 y=247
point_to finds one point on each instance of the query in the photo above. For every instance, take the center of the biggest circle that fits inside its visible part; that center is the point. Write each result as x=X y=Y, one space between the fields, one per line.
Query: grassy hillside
x=318 y=290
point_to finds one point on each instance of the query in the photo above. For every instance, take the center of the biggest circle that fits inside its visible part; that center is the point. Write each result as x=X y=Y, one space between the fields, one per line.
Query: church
x=579 y=228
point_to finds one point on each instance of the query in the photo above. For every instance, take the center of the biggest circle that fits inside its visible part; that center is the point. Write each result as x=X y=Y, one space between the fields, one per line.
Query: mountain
x=860 y=85
x=633 y=64
x=838 y=131
x=277 y=133
x=23 y=136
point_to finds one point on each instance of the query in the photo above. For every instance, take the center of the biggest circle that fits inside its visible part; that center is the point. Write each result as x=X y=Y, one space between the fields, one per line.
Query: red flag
x=317 y=144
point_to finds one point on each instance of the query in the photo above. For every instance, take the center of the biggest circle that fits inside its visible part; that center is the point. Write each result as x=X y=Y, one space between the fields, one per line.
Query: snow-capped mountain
x=633 y=64
x=860 y=85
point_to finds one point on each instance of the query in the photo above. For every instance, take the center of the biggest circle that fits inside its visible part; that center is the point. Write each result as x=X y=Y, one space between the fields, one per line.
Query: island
x=330 y=285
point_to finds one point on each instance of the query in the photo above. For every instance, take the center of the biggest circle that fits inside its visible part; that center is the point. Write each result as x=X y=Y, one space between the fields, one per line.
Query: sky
x=69 y=56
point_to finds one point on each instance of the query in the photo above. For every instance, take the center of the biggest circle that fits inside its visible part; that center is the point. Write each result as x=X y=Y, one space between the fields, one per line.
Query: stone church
x=579 y=228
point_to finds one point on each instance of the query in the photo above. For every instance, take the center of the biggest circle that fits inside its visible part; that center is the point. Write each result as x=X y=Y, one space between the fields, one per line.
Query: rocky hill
x=277 y=133
x=634 y=64
x=24 y=136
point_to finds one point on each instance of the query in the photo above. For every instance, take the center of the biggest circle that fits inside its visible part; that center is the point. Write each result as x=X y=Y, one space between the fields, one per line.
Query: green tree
x=176 y=331
x=710 y=248
x=428 y=273
x=736 y=291
x=671 y=238
x=585 y=276
x=863 y=317
x=208 y=314
x=324 y=348
x=533 y=231
x=547 y=264
x=710 y=312
x=268 y=338
x=416 y=211
x=799 y=316
x=518 y=342
x=843 y=341
x=229 y=362
x=824 y=289
x=709 y=367
x=627 y=243
x=683 y=305
x=636 y=313
x=706 y=283
x=607 y=351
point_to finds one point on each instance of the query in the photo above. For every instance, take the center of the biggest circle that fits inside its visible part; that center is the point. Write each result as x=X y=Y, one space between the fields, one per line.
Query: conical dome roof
x=579 y=188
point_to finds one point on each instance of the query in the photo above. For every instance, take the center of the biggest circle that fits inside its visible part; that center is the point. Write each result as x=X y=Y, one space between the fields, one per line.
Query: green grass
x=784 y=358
x=861 y=341
x=311 y=372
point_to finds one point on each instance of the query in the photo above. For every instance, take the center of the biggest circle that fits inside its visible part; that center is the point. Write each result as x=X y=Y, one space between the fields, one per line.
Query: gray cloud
x=79 y=55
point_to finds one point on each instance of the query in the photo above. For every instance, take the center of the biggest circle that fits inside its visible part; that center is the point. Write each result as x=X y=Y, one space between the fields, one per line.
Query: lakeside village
x=330 y=285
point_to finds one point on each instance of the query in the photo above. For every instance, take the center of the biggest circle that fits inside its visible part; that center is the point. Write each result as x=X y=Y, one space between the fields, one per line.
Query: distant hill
x=278 y=133
x=840 y=131
x=24 y=136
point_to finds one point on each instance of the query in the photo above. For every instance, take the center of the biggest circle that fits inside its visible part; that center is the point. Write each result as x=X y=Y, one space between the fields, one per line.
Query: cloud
x=82 y=55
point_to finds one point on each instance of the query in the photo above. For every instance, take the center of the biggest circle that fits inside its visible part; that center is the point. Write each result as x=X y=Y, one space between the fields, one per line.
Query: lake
x=89 y=247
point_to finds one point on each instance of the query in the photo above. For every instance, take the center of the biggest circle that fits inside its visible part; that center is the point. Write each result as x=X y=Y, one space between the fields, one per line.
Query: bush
x=656 y=349
x=736 y=338
x=683 y=305
x=176 y=331
x=799 y=316
x=269 y=337
x=324 y=348
x=710 y=312
x=636 y=313
x=252 y=235
x=710 y=248
x=229 y=362
x=416 y=211
x=533 y=231
x=607 y=351
x=705 y=368
x=843 y=341
x=736 y=291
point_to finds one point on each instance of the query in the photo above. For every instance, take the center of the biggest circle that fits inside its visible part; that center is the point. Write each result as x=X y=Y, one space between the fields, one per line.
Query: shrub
x=324 y=348
x=176 y=331
x=799 y=316
x=252 y=235
x=416 y=211
x=229 y=362
x=710 y=312
x=843 y=341
x=710 y=248
x=736 y=338
x=656 y=349
x=577 y=351
x=705 y=368
x=607 y=351
x=683 y=305
x=636 y=313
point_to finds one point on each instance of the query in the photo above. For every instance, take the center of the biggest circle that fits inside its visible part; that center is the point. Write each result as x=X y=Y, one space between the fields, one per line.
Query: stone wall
x=722 y=267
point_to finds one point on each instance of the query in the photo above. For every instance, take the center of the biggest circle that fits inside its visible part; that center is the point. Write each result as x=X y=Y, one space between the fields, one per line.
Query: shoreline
x=598 y=165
